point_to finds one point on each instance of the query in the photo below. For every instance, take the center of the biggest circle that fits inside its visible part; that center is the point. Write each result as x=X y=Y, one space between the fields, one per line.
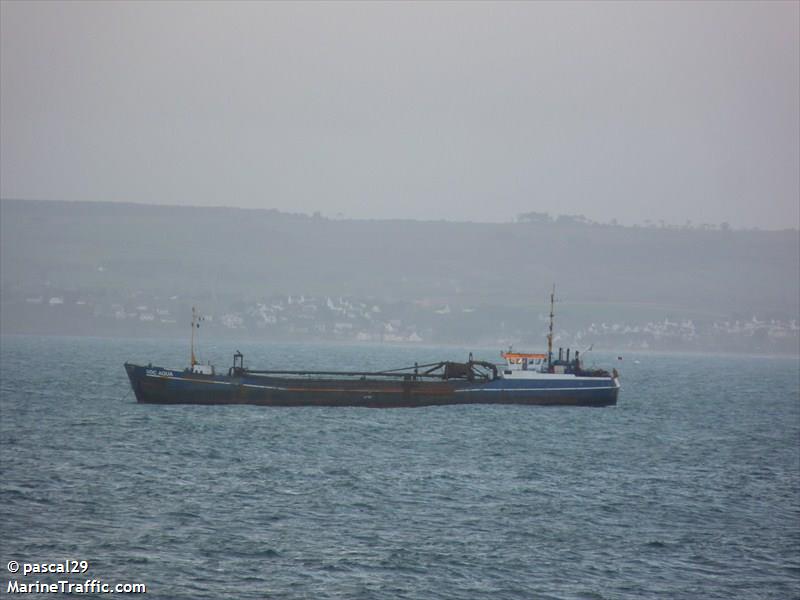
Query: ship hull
x=155 y=385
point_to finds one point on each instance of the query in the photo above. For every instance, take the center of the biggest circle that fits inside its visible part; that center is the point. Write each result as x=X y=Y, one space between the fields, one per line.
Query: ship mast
x=192 y=358
x=550 y=334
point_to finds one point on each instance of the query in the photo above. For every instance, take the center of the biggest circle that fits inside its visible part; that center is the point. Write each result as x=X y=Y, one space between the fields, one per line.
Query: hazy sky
x=463 y=111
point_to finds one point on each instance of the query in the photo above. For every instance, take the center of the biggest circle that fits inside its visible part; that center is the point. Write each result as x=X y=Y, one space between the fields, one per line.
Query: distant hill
x=233 y=255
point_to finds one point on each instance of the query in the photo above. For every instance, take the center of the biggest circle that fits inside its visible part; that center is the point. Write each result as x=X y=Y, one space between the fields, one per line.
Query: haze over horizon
x=669 y=112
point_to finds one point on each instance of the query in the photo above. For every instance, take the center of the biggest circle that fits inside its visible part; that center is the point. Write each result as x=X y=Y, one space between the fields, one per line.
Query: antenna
x=550 y=335
x=192 y=361
x=196 y=318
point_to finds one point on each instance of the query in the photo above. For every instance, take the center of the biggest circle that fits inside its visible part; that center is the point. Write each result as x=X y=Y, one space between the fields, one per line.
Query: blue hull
x=156 y=385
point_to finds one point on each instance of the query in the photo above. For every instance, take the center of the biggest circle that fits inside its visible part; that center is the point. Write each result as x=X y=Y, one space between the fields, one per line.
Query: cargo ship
x=538 y=379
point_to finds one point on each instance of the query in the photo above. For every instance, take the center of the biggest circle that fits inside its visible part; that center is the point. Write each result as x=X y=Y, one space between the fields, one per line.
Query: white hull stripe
x=250 y=385
x=540 y=389
x=546 y=377
x=264 y=387
x=191 y=380
x=508 y=390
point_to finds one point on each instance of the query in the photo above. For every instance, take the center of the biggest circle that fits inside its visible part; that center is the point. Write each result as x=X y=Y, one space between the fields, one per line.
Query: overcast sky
x=668 y=111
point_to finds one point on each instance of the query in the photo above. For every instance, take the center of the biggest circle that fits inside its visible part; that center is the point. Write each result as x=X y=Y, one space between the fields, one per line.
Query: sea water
x=689 y=488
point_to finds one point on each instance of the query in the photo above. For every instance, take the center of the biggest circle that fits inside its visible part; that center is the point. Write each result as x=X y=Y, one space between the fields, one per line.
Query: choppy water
x=690 y=488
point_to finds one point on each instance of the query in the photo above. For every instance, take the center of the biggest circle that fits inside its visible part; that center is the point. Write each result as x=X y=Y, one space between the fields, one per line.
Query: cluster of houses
x=328 y=318
x=739 y=335
x=300 y=317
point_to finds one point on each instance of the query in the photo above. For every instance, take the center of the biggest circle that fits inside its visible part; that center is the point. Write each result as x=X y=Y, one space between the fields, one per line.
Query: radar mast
x=550 y=334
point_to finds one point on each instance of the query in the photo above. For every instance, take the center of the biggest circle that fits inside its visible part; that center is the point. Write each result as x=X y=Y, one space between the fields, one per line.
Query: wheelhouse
x=522 y=361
